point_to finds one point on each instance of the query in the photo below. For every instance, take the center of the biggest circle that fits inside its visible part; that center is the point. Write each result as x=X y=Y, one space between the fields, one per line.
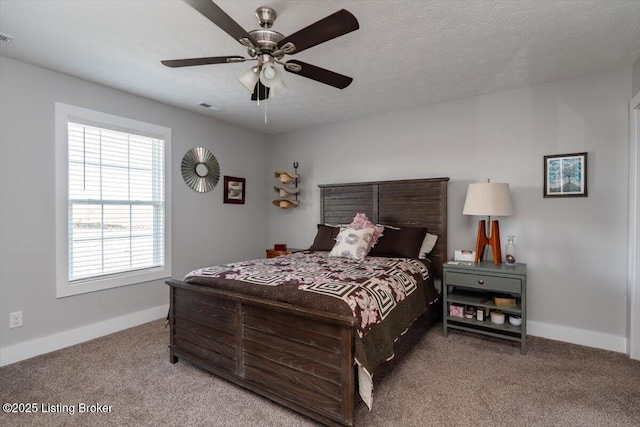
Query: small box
x=504 y=300
x=280 y=247
x=456 y=310
x=465 y=255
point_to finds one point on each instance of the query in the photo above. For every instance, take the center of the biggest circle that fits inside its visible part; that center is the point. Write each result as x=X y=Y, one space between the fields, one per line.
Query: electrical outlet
x=15 y=319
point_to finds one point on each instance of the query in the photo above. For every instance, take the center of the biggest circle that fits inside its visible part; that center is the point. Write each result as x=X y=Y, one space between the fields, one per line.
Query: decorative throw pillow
x=361 y=221
x=427 y=245
x=325 y=238
x=352 y=243
x=402 y=243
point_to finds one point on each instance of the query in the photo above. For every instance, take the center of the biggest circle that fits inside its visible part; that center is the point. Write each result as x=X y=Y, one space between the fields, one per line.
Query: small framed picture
x=565 y=175
x=234 y=190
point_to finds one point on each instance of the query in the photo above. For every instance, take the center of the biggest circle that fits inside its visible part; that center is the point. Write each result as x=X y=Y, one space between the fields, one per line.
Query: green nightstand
x=473 y=285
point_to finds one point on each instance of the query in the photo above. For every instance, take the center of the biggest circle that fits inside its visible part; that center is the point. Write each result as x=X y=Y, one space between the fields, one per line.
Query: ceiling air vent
x=210 y=106
x=5 y=38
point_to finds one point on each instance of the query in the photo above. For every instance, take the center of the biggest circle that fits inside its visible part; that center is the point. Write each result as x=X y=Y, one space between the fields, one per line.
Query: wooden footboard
x=301 y=358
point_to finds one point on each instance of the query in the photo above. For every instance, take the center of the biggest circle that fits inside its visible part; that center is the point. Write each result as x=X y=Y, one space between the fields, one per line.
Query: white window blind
x=116 y=201
x=113 y=201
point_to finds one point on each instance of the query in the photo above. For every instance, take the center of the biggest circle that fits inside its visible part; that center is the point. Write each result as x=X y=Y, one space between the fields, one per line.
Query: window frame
x=64 y=113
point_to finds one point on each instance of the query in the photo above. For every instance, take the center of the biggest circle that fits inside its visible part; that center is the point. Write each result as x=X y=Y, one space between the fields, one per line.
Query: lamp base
x=493 y=241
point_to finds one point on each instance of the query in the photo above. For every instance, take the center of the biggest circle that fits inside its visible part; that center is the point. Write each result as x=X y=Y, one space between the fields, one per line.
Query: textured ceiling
x=405 y=54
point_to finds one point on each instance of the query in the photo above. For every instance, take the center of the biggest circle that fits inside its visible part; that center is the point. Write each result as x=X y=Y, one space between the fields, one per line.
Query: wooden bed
x=299 y=357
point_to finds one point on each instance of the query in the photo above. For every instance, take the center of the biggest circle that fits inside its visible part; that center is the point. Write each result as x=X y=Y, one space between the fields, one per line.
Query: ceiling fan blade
x=261 y=92
x=219 y=17
x=336 y=25
x=175 y=63
x=319 y=74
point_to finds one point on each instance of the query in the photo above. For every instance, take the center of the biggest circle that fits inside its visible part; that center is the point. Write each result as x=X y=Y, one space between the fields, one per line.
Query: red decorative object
x=280 y=247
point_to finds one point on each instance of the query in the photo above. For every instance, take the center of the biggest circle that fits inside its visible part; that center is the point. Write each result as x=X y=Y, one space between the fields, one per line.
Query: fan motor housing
x=267 y=39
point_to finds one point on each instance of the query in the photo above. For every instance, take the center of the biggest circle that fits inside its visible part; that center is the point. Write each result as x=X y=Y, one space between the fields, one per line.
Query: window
x=113 y=201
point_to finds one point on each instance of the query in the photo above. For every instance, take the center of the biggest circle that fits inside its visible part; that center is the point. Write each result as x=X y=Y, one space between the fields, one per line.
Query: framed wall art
x=234 y=190
x=565 y=175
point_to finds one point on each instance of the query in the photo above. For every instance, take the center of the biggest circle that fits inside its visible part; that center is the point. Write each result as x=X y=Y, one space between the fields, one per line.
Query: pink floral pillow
x=361 y=221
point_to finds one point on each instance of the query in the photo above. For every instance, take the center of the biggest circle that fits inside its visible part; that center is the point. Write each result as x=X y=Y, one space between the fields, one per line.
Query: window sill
x=67 y=289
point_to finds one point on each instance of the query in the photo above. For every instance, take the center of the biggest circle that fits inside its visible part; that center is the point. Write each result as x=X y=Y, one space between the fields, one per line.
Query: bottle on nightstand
x=510 y=251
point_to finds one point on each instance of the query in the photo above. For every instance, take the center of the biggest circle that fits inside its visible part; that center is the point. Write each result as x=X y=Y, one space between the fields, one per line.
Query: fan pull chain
x=265 y=112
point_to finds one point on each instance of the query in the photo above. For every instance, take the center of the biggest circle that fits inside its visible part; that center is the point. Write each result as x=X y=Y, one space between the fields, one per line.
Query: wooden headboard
x=403 y=203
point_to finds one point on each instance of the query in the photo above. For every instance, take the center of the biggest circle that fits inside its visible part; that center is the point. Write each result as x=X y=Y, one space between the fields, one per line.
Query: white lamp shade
x=270 y=75
x=249 y=79
x=488 y=199
x=277 y=88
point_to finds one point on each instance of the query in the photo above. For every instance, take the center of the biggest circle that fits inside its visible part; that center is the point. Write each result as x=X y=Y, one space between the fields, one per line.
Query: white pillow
x=352 y=243
x=427 y=245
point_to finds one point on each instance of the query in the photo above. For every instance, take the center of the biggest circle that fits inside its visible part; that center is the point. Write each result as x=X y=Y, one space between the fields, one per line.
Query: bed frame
x=299 y=357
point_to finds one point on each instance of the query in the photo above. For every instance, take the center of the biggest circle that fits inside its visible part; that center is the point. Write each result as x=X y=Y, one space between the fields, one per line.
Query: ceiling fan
x=269 y=47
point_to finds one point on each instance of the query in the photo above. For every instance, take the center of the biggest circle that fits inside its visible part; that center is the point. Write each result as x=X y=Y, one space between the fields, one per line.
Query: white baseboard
x=577 y=336
x=26 y=350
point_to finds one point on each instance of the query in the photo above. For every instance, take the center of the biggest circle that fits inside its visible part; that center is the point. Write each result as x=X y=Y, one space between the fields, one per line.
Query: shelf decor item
x=288 y=195
x=488 y=199
x=565 y=175
x=234 y=190
x=456 y=310
x=515 y=320
x=497 y=317
x=504 y=300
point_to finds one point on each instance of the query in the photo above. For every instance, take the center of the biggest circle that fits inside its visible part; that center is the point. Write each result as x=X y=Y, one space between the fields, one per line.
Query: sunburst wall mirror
x=200 y=169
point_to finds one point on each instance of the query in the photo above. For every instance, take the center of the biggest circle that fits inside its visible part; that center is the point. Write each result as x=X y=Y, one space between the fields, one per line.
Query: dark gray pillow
x=325 y=238
x=402 y=243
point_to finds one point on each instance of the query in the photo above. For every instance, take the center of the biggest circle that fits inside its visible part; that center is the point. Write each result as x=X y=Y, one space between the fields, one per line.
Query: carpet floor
x=462 y=380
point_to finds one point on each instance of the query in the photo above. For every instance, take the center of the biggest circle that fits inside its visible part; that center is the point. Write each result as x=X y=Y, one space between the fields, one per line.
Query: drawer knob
x=481 y=282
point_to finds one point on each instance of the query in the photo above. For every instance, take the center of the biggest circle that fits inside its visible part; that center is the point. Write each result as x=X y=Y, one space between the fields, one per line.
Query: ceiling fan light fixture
x=270 y=75
x=268 y=48
x=269 y=72
x=278 y=88
x=250 y=78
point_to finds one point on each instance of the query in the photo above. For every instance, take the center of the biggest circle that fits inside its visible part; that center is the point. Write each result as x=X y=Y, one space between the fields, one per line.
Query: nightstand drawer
x=483 y=281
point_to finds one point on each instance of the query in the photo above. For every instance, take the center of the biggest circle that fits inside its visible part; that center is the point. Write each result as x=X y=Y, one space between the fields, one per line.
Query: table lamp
x=490 y=199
